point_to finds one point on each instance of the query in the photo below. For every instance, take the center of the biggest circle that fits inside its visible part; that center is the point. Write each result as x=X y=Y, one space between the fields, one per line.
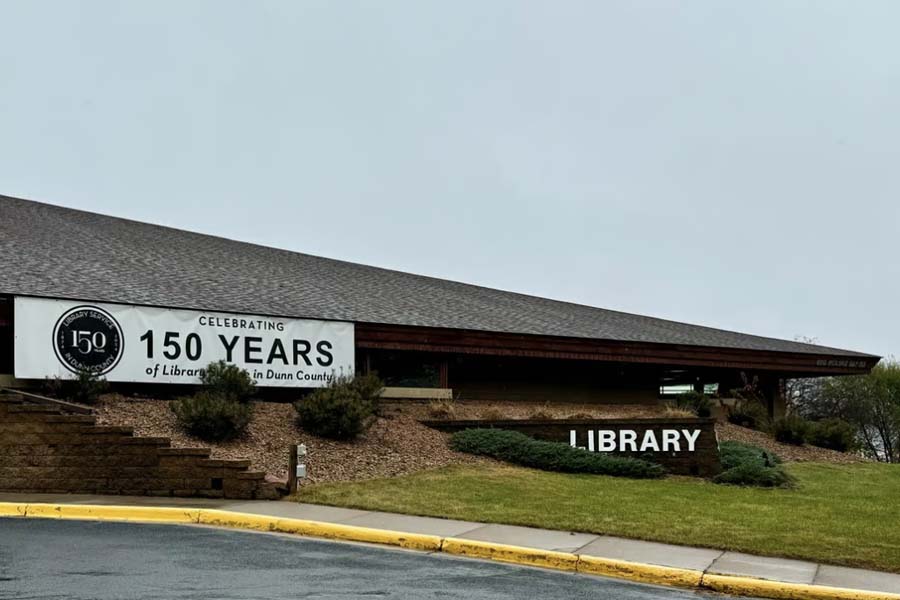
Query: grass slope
x=838 y=514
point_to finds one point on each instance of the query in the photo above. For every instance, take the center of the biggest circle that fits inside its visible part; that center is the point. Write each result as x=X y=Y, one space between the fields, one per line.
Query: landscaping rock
x=395 y=445
x=787 y=452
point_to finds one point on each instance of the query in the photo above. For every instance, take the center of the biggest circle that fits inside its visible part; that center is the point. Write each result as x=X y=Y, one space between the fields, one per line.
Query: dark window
x=406 y=369
x=6 y=336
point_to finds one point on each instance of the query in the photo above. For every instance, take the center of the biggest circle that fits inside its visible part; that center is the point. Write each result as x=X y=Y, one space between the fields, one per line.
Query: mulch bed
x=788 y=452
x=396 y=445
x=471 y=409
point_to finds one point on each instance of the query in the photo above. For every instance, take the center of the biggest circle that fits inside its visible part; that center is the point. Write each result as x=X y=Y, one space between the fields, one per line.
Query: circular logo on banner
x=87 y=338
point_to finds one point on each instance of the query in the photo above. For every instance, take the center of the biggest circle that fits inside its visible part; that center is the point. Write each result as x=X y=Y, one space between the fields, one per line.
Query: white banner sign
x=125 y=343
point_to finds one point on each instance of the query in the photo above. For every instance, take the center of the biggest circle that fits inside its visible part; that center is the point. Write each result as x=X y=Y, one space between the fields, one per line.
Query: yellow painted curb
x=12 y=509
x=161 y=514
x=226 y=518
x=563 y=561
x=411 y=541
x=608 y=567
x=747 y=586
x=334 y=531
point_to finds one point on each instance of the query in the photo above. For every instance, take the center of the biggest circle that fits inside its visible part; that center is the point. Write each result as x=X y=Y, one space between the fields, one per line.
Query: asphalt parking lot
x=44 y=559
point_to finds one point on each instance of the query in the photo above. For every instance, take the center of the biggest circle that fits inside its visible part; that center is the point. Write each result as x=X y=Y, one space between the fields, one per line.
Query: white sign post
x=143 y=344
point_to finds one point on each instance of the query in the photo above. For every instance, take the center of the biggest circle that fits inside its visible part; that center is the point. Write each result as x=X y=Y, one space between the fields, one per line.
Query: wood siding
x=454 y=341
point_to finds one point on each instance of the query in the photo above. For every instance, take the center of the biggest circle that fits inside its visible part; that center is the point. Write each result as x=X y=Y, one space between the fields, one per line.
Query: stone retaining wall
x=45 y=451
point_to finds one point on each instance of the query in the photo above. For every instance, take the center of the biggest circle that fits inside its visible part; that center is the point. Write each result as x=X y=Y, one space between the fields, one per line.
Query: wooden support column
x=292 y=468
x=768 y=387
x=444 y=373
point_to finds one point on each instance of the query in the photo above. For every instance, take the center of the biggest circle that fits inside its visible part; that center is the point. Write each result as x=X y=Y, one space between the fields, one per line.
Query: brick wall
x=43 y=450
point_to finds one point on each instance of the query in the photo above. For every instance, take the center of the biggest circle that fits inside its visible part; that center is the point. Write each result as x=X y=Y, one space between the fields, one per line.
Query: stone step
x=103 y=435
x=271 y=491
x=202 y=452
x=230 y=463
x=37 y=399
x=32 y=408
x=143 y=460
x=45 y=447
x=236 y=464
x=83 y=419
x=14 y=427
x=110 y=429
x=146 y=441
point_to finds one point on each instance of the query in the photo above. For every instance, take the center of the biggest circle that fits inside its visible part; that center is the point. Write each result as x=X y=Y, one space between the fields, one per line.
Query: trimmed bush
x=790 y=429
x=733 y=454
x=221 y=411
x=341 y=411
x=210 y=417
x=228 y=381
x=84 y=387
x=518 y=448
x=835 y=434
x=748 y=412
x=369 y=387
x=695 y=402
x=749 y=465
x=752 y=474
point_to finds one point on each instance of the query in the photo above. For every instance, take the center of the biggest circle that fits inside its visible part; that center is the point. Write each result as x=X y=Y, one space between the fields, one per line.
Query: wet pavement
x=81 y=560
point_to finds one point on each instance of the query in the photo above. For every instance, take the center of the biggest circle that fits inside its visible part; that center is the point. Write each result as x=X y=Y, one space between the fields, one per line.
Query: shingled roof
x=58 y=252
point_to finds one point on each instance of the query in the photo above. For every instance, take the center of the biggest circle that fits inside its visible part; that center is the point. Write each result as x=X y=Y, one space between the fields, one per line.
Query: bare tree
x=803 y=395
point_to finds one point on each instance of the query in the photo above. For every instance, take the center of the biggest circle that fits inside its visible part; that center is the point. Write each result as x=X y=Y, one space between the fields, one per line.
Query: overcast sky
x=734 y=164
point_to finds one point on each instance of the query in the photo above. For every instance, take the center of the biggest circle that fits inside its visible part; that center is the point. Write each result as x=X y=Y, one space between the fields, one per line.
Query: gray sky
x=733 y=164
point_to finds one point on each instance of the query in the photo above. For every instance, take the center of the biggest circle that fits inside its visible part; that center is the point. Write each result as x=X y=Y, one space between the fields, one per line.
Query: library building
x=147 y=305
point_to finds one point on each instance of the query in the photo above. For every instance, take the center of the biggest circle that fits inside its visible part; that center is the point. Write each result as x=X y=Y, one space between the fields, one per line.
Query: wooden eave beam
x=457 y=341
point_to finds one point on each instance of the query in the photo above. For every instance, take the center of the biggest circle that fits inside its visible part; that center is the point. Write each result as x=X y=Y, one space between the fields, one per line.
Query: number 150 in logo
x=87 y=338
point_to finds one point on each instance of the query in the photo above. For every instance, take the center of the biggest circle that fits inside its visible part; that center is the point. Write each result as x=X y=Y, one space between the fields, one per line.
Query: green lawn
x=839 y=514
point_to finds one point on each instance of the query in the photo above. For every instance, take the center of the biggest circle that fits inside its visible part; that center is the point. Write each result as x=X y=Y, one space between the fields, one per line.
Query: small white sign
x=143 y=344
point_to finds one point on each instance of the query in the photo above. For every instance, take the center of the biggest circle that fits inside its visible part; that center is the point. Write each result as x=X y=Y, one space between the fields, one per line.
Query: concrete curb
x=763 y=588
x=645 y=573
x=333 y=531
x=563 y=561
